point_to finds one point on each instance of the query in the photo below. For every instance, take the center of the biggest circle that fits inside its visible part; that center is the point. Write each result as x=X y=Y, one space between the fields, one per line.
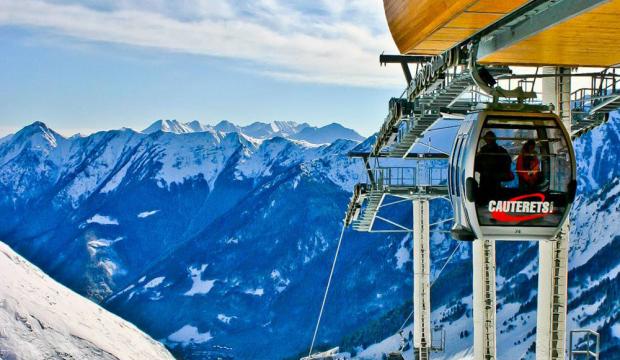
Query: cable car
x=511 y=176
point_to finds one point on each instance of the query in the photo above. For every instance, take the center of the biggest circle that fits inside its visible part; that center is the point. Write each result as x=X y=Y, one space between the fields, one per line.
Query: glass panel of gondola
x=523 y=168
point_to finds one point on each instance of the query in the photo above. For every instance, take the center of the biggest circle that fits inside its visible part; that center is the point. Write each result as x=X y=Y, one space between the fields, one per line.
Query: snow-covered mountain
x=218 y=242
x=258 y=130
x=42 y=319
x=174 y=126
x=326 y=134
x=101 y=212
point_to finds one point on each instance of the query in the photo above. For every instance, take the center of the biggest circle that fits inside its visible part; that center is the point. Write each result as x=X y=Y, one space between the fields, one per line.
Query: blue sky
x=83 y=66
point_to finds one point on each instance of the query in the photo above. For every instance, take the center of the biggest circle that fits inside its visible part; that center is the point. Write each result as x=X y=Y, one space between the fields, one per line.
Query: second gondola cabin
x=512 y=176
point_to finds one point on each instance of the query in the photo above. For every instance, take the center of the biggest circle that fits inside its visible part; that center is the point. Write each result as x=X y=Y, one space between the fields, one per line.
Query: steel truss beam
x=404 y=61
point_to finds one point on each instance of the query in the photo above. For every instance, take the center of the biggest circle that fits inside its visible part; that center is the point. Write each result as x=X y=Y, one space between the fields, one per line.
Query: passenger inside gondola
x=493 y=163
x=528 y=167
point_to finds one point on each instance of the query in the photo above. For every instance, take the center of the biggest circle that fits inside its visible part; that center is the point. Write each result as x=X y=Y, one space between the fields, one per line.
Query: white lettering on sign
x=524 y=207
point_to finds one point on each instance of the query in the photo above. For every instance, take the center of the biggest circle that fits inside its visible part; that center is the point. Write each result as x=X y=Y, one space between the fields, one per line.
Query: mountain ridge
x=260 y=131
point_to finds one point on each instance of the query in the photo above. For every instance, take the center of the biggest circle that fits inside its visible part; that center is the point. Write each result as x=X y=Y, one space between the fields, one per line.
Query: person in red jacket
x=528 y=166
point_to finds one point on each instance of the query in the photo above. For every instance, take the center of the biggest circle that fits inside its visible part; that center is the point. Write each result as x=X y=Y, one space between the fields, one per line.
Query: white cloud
x=335 y=42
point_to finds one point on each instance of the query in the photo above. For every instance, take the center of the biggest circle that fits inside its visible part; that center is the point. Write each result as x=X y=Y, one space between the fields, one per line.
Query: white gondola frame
x=462 y=159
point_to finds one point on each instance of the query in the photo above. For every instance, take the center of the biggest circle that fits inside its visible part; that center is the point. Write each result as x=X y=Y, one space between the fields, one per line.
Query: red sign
x=507 y=210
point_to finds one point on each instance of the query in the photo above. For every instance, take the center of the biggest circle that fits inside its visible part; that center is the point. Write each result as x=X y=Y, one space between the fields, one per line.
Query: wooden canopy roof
x=588 y=37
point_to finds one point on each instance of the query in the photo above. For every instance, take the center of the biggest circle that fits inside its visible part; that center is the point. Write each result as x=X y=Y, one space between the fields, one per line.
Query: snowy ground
x=41 y=319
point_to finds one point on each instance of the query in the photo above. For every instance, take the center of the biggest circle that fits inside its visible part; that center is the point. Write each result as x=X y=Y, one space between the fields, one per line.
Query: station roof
x=564 y=32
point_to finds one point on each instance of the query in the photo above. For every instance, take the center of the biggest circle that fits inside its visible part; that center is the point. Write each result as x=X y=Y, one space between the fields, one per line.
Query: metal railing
x=586 y=340
x=602 y=87
x=438 y=341
x=409 y=177
x=399 y=108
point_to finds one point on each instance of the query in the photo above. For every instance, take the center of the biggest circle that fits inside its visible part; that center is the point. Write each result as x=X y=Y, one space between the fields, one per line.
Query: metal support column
x=553 y=255
x=421 y=280
x=484 y=300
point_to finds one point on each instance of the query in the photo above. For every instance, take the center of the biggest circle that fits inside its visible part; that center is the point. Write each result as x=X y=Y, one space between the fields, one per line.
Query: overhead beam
x=404 y=61
x=414 y=156
x=407 y=59
x=533 y=22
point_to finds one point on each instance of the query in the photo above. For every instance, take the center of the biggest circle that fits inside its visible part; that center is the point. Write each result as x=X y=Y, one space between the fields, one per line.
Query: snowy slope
x=41 y=319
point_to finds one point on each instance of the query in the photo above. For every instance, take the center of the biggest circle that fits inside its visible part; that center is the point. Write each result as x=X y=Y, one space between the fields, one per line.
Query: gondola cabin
x=511 y=176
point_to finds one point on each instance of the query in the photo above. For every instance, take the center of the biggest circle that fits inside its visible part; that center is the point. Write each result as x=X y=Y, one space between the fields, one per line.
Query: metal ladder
x=484 y=296
x=422 y=354
x=489 y=299
x=421 y=280
x=427 y=111
x=559 y=299
x=367 y=217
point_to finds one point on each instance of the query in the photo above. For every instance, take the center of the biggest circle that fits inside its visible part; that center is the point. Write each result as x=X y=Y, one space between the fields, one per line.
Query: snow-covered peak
x=260 y=130
x=196 y=126
x=227 y=126
x=36 y=137
x=202 y=154
x=42 y=319
x=177 y=127
x=39 y=133
x=327 y=134
x=172 y=126
x=288 y=128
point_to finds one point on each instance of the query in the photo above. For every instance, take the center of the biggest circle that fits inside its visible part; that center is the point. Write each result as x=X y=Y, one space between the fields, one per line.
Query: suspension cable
x=329 y=281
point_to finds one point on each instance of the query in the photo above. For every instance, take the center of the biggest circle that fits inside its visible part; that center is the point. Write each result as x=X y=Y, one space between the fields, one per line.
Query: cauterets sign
x=521 y=208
